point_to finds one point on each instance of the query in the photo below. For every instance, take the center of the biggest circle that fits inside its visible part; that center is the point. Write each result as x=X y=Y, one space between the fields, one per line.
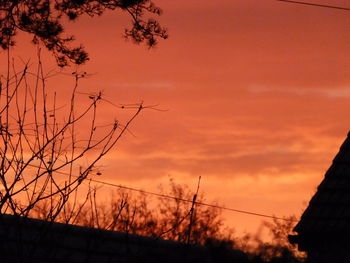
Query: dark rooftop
x=324 y=228
x=28 y=240
x=329 y=209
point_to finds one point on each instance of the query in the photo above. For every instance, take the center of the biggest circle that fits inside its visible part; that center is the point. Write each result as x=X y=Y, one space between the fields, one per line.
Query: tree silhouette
x=42 y=157
x=43 y=19
x=48 y=150
x=140 y=214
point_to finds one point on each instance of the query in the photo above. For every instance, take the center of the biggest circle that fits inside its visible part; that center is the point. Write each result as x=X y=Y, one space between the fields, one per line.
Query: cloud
x=227 y=156
x=151 y=86
x=330 y=92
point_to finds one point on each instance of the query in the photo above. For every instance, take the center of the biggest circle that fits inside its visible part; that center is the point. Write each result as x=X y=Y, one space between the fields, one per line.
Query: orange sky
x=257 y=92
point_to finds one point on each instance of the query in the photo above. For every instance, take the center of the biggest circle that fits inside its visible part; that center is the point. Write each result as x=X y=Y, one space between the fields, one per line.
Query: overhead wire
x=314 y=4
x=161 y=195
x=189 y=201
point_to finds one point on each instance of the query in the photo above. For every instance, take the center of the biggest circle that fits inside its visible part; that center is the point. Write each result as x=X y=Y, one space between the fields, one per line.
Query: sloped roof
x=328 y=213
x=27 y=240
x=33 y=240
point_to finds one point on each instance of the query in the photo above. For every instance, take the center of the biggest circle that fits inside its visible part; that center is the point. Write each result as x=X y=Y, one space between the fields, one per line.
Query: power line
x=180 y=199
x=189 y=201
x=314 y=4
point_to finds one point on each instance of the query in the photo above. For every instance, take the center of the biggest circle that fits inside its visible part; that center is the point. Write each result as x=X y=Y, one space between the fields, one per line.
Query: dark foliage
x=170 y=219
x=43 y=20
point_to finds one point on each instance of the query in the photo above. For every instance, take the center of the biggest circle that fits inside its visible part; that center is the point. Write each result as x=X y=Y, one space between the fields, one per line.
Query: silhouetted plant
x=206 y=222
x=42 y=157
x=170 y=218
x=43 y=19
x=278 y=249
x=165 y=218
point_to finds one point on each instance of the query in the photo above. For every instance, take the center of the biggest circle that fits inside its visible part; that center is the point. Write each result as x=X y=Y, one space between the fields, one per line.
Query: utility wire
x=180 y=199
x=314 y=4
x=189 y=201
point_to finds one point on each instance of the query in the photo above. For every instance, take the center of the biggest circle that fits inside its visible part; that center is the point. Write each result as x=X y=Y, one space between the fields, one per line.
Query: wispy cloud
x=145 y=85
x=331 y=92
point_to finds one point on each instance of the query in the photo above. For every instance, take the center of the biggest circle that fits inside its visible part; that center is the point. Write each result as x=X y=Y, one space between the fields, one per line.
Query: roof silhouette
x=325 y=224
x=28 y=240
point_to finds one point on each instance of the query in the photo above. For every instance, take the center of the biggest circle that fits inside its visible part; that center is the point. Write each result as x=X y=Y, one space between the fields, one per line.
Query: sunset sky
x=256 y=93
